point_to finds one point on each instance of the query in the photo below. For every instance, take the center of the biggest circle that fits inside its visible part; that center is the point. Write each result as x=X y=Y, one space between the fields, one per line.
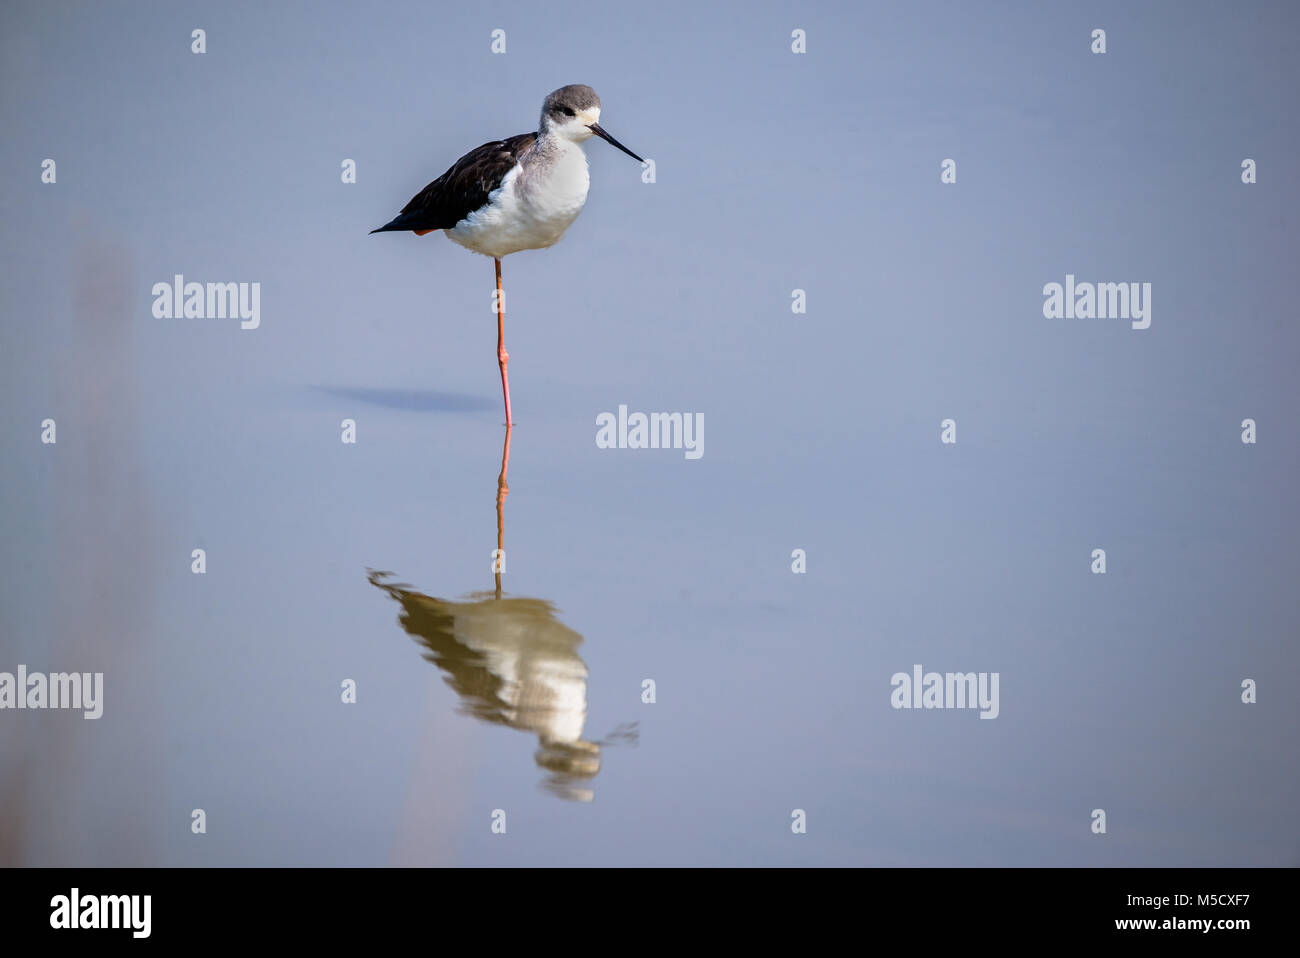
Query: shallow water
x=374 y=561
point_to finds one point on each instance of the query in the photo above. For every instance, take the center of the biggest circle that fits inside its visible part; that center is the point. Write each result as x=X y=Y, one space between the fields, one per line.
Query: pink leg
x=503 y=357
x=503 y=490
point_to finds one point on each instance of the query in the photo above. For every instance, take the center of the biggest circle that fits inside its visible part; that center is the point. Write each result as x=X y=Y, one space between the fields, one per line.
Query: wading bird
x=514 y=194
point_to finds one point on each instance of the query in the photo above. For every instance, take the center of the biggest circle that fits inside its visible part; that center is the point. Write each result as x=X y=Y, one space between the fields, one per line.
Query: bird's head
x=573 y=113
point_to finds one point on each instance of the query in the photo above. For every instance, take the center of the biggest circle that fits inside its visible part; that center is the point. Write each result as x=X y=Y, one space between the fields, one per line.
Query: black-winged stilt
x=514 y=194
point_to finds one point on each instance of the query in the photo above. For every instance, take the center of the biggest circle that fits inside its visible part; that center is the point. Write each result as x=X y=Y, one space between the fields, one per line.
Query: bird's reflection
x=512 y=662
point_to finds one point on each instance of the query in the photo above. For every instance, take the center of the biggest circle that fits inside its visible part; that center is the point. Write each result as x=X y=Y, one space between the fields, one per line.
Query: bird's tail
x=390 y=229
x=407 y=222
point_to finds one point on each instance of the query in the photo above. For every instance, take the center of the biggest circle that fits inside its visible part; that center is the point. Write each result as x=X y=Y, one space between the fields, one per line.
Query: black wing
x=463 y=188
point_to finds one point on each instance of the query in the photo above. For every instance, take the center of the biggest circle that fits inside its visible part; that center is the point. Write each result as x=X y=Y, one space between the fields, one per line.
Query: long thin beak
x=595 y=128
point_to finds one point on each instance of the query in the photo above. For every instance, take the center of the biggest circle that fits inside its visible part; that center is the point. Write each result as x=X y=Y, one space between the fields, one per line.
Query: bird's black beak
x=595 y=128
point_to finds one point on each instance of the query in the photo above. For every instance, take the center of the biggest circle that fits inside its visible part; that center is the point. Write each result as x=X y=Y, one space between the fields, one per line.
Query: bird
x=519 y=193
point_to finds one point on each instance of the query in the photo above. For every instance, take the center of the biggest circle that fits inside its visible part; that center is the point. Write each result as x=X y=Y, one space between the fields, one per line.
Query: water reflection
x=512 y=662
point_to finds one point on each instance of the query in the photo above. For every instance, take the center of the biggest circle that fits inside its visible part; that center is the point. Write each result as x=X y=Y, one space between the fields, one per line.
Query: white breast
x=536 y=202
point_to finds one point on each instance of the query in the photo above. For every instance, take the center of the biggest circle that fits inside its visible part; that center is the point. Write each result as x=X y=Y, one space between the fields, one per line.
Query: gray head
x=567 y=102
x=573 y=113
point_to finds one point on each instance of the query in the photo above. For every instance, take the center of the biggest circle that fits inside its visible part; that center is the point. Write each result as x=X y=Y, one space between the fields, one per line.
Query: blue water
x=373 y=561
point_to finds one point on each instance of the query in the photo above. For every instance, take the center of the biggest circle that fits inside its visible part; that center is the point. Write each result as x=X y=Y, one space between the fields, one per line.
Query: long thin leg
x=503 y=490
x=503 y=357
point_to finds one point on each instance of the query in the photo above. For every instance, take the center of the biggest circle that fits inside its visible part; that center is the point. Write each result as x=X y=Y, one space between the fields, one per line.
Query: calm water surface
x=374 y=561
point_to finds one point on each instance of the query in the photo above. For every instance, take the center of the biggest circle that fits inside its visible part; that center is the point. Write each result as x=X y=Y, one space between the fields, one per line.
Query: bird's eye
x=566 y=111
